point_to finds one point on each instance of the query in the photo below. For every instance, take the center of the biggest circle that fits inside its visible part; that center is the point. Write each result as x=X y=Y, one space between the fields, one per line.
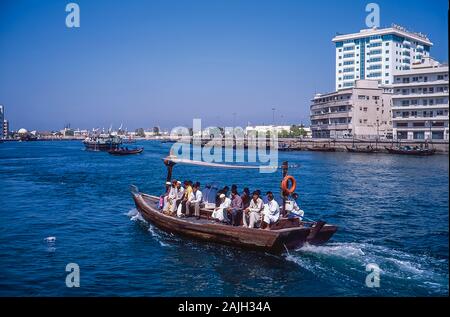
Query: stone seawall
x=297 y=144
x=341 y=144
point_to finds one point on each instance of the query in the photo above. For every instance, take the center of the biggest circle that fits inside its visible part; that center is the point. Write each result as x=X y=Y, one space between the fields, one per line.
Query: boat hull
x=361 y=150
x=322 y=149
x=273 y=241
x=411 y=152
x=100 y=146
x=125 y=152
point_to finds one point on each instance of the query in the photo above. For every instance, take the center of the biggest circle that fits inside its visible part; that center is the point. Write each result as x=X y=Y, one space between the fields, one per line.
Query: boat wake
x=136 y=216
x=347 y=262
x=157 y=236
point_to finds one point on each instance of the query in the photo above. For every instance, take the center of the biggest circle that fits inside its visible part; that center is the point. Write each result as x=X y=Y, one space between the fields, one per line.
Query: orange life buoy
x=285 y=182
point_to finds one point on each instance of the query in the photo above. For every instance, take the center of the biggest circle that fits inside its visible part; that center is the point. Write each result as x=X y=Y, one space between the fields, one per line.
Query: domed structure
x=22 y=131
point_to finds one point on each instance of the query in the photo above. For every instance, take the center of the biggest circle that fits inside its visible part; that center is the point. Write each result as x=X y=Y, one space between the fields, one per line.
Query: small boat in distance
x=408 y=150
x=125 y=151
x=102 y=142
x=367 y=149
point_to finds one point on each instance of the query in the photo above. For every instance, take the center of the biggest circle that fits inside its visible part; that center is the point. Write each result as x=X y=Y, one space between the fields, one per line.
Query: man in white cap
x=170 y=199
x=271 y=212
x=179 y=197
x=253 y=211
x=163 y=197
x=218 y=212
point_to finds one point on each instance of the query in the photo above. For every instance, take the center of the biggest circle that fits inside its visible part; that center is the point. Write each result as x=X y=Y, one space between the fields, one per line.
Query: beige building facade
x=363 y=111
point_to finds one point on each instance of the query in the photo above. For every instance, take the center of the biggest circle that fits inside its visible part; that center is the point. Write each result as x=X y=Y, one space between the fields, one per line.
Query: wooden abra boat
x=407 y=150
x=287 y=233
x=125 y=151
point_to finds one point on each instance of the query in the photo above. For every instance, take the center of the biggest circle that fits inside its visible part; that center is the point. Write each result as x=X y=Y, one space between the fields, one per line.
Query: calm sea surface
x=391 y=211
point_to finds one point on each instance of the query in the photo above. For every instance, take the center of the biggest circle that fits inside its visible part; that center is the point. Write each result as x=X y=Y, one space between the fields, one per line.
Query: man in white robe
x=293 y=209
x=253 y=212
x=218 y=212
x=170 y=199
x=271 y=212
x=195 y=200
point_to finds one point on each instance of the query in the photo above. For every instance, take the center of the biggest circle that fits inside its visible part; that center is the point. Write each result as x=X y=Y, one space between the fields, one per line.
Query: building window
x=402 y=135
x=440 y=77
x=419 y=135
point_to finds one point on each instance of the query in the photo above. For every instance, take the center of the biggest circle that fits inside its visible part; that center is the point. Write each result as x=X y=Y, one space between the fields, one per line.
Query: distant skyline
x=162 y=63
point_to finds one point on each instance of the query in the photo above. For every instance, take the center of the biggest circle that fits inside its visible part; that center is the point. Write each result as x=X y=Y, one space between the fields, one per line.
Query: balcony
x=419 y=118
x=331 y=115
x=326 y=104
x=414 y=96
x=419 y=107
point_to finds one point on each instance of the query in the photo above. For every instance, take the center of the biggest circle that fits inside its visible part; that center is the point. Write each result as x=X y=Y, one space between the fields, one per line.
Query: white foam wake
x=339 y=260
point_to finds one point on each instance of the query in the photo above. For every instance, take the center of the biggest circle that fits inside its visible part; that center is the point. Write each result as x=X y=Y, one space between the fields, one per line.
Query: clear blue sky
x=147 y=63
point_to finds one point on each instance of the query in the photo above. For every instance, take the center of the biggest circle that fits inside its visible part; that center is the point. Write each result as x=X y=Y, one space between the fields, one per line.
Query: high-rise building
x=2 y=118
x=363 y=111
x=5 y=128
x=420 y=102
x=376 y=54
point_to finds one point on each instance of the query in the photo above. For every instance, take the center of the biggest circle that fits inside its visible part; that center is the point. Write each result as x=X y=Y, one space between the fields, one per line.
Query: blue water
x=391 y=211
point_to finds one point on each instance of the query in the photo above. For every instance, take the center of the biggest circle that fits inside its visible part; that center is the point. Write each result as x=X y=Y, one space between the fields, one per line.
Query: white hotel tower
x=376 y=54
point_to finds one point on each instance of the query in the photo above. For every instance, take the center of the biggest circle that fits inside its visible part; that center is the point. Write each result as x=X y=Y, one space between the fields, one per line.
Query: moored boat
x=322 y=149
x=368 y=149
x=408 y=150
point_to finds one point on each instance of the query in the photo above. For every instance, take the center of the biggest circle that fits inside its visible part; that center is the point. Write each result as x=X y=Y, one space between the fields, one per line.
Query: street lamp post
x=378 y=133
x=430 y=135
x=273 y=116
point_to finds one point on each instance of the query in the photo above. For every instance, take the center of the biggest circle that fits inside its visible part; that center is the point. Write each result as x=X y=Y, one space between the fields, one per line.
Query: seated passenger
x=293 y=209
x=181 y=210
x=271 y=212
x=163 y=197
x=219 y=212
x=180 y=194
x=235 y=209
x=195 y=200
x=245 y=196
x=222 y=191
x=170 y=199
x=253 y=211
